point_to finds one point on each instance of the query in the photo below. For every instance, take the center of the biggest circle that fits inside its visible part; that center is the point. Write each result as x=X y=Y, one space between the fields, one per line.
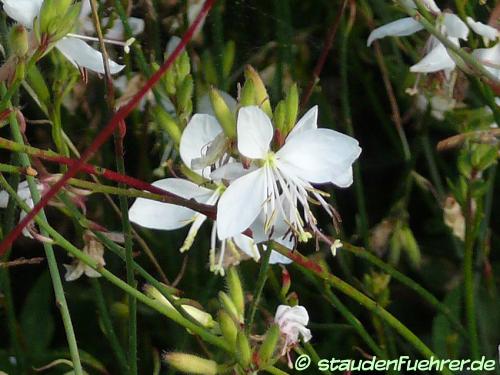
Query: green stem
x=259 y=286
x=305 y=264
x=109 y=331
x=49 y=252
x=89 y=261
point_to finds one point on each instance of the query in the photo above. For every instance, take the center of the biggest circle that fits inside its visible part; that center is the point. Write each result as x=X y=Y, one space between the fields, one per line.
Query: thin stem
x=49 y=252
x=109 y=331
x=259 y=286
x=89 y=261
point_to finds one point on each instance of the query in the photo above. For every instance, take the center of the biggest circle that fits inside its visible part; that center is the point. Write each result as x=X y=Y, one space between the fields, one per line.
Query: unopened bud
x=286 y=282
x=191 y=364
x=182 y=66
x=185 y=94
x=268 y=347
x=223 y=113
x=280 y=118
x=167 y=123
x=235 y=290
x=261 y=95
x=228 y=328
x=228 y=57
x=244 y=352
x=292 y=107
x=229 y=306
x=247 y=95
x=19 y=41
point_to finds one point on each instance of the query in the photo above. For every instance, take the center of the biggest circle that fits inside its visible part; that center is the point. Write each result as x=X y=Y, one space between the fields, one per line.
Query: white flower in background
x=92 y=248
x=24 y=193
x=79 y=53
x=278 y=181
x=490 y=57
x=196 y=144
x=292 y=322
x=117 y=30
x=438 y=57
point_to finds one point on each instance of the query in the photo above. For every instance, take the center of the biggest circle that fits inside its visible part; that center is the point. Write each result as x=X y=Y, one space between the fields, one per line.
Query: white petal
x=82 y=55
x=247 y=245
x=4 y=199
x=489 y=56
x=429 y=4
x=436 y=60
x=157 y=215
x=307 y=122
x=255 y=132
x=454 y=26
x=402 y=27
x=241 y=203
x=118 y=31
x=230 y=172
x=488 y=32
x=22 y=11
x=318 y=156
x=343 y=180
x=172 y=44
x=199 y=132
x=204 y=105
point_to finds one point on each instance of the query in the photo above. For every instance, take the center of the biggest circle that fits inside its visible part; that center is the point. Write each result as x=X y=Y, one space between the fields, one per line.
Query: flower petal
x=80 y=54
x=454 y=26
x=199 y=132
x=118 y=31
x=255 y=132
x=489 y=56
x=436 y=60
x=241 y=203
x=204 y=105
x=319 y=155
x=22 y=11
x=488 y=32
x=230 y=172
x=402 y=27
x=157 y=215
x=307 y=122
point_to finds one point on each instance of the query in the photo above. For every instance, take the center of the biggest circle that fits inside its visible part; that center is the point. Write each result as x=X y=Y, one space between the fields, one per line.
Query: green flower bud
x=228 y=328
x=223 y=113
x=167 y=123
x=261 y=95
x=191 y=364
x=235 y=290
x=184 y=94
x=228 y=305
x=57 y=18
x=280 y=118
x=269 y=344
x=182 y=66
x=228 y=58
x=292 y=107
x=410 y=245
x=18 y=40
x=247 y=95
x=244 y=352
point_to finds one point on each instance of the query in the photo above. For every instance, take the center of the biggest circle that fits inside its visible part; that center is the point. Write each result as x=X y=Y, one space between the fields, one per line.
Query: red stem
x=107 y=131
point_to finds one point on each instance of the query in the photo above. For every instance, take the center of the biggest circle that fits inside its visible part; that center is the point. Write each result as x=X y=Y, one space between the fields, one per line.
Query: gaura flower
x=196 y=148
x=489 y=57
x=278 y=181
x=79 y=53
x=92 y=248
x=292 y=322
x=438 y=57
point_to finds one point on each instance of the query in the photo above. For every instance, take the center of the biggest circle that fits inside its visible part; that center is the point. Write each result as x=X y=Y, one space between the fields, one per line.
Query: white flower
x=292 y=322
x=24 y=193
x=196 y=142
x=92 y=248
x=488 y=32
x=284 y=178
x=437 y=57
x=79 y=53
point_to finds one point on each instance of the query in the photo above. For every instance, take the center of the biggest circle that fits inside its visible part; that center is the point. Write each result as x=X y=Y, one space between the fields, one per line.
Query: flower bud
x=18 y=40
x=268 y=347
x=191 y=364
x=182 y=66
x=247 y=95
x=185 y=94
x=228 y=328
x=280 y=119
x=223 y=113
x=292 y=107
x=167 y=123
x=411 y=247
x=228 y=57
x=229 y=306
x=57 y=18
x=286 y=282
x=261 y=95
x=244 y=352
x=235 y=290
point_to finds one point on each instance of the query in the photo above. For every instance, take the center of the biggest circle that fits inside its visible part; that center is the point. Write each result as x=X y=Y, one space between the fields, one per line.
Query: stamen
x=126 y=45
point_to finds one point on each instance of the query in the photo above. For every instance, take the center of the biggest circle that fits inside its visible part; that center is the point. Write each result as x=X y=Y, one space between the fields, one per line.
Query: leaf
x=37 y=320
